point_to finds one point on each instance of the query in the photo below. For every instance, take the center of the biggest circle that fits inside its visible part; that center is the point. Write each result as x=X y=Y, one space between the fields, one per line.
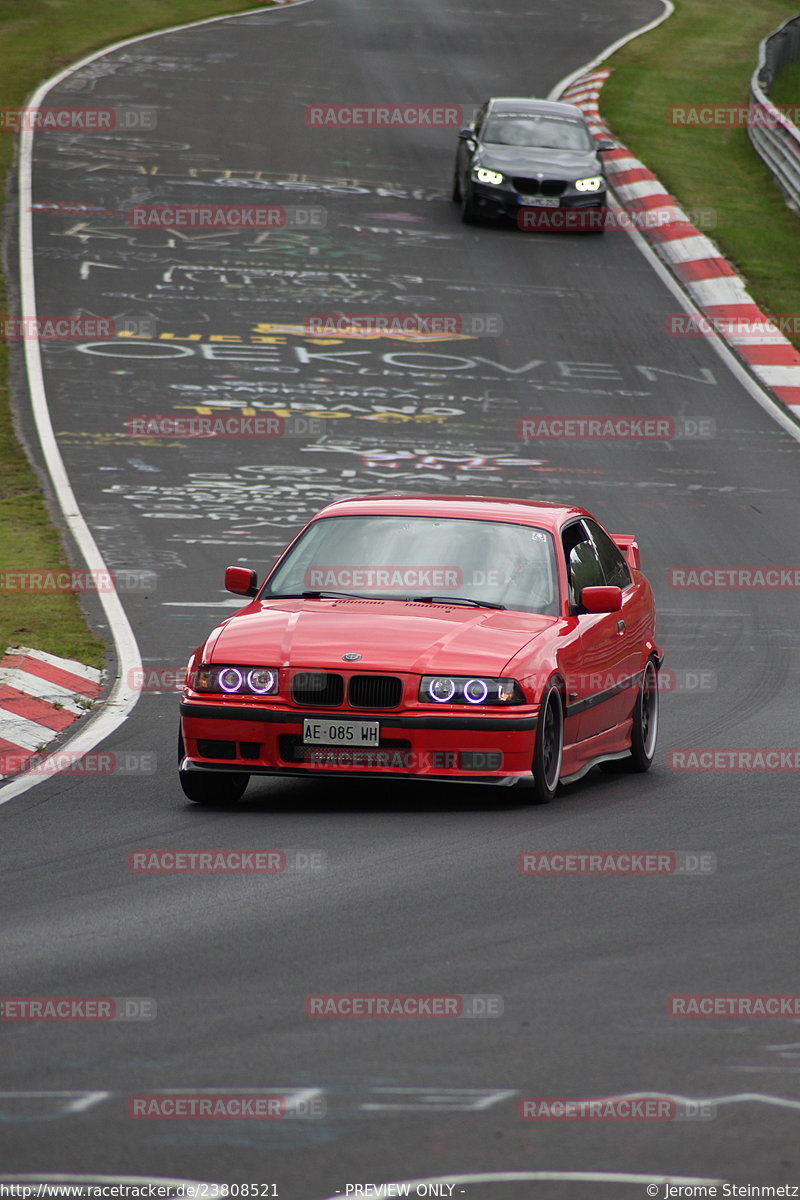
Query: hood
x=520 y=160
x=390 y=635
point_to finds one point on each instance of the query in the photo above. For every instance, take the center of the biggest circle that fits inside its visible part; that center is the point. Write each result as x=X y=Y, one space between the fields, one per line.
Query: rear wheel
x=644 y=732
x=548 y=747
x=212 y=787
x=644 y=727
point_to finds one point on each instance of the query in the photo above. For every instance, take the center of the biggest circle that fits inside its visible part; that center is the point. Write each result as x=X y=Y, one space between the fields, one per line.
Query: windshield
x=399 y=557
x=548 y=133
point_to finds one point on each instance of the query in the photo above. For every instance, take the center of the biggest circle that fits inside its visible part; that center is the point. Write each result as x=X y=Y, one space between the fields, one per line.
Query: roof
x=488 y=508
x=554 y=108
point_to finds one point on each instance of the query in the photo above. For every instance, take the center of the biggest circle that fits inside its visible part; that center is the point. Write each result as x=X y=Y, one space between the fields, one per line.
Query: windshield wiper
x=458 y=600
x=324 y=595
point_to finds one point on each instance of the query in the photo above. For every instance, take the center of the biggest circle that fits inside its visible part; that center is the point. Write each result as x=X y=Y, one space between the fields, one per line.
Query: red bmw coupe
x=446 y=638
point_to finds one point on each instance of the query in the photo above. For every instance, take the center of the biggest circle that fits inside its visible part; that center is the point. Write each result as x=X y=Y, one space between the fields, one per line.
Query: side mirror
x=467 y=132
x=241 y=581
x=602 y=144
x=601 y=599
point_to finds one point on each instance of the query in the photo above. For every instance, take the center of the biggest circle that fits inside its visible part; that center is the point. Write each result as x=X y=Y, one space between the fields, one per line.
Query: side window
x=611 y=557
x=583 y=565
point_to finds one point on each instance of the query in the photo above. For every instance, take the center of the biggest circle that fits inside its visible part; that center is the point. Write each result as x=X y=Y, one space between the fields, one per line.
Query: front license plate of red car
x=540 y=201
x=341 y=733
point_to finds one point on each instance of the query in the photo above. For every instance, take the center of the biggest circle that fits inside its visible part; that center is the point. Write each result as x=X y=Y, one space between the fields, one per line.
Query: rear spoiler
x=629 y=546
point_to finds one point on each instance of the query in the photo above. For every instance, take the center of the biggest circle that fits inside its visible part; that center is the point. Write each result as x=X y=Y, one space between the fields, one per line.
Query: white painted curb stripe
x=63 y=664
x=41 y=689
x=26 y=734
x=123 y=697
x=777 y=375
x=689 y=249
x=685 y=253
x=726 y=289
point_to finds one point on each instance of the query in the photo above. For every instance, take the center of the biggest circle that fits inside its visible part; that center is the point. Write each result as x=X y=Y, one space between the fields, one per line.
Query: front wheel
x=212 y=787
x=468 y=215
x=644 y=731
x=456 y=193
x=548 y=747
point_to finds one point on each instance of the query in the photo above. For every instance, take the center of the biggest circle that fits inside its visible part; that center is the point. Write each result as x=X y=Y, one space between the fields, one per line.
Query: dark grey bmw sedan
x=534 y=161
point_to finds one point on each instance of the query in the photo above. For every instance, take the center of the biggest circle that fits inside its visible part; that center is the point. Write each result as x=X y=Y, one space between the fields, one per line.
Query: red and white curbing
x=40 y=696
x=696 y=262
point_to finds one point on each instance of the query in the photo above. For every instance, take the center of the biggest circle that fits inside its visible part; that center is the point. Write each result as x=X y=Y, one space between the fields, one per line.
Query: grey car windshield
x=546 y=133
x=398 y=557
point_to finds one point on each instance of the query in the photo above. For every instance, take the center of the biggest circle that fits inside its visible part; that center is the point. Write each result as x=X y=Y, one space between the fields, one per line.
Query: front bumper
x=265 y=740
x=503 y=201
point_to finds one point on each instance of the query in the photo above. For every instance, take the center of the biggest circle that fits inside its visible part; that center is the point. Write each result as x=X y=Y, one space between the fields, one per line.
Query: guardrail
x=775 y=138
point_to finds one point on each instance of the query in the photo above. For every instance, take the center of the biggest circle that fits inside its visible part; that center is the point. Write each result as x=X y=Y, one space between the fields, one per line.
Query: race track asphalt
x=419 y=889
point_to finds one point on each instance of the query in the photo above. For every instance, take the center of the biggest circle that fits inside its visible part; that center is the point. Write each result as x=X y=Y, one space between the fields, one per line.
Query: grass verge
x=704 y=54
x=37 y=39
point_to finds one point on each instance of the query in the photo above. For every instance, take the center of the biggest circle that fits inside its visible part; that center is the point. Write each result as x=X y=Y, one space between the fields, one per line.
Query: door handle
x=620 y=626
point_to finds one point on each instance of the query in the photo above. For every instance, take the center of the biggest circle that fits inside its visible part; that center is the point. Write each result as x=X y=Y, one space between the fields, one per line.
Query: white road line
x=76 y=1101
x=684 y=295
x=563 y=84
x=123 y=697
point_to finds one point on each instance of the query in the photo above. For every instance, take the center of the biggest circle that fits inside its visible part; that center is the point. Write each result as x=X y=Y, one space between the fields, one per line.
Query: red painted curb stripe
x=789 y=395
x=33 y=709
x=43 y=670
x=633 y=175
x=17 y=755
x=769 y=354
x=673 y=231
x=703 y=268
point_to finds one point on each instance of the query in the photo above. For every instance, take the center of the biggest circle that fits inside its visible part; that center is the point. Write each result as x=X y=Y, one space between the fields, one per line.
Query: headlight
x=469 y=689
x=235 y=681
x=592 y=184
x=484 y=175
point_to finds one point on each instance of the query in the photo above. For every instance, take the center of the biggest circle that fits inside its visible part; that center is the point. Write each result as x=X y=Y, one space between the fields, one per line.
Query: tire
x=456 y=193
x=468 y=215
x=549 y=746
x=212 y=787
x=644 y=728
x=644 y=732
